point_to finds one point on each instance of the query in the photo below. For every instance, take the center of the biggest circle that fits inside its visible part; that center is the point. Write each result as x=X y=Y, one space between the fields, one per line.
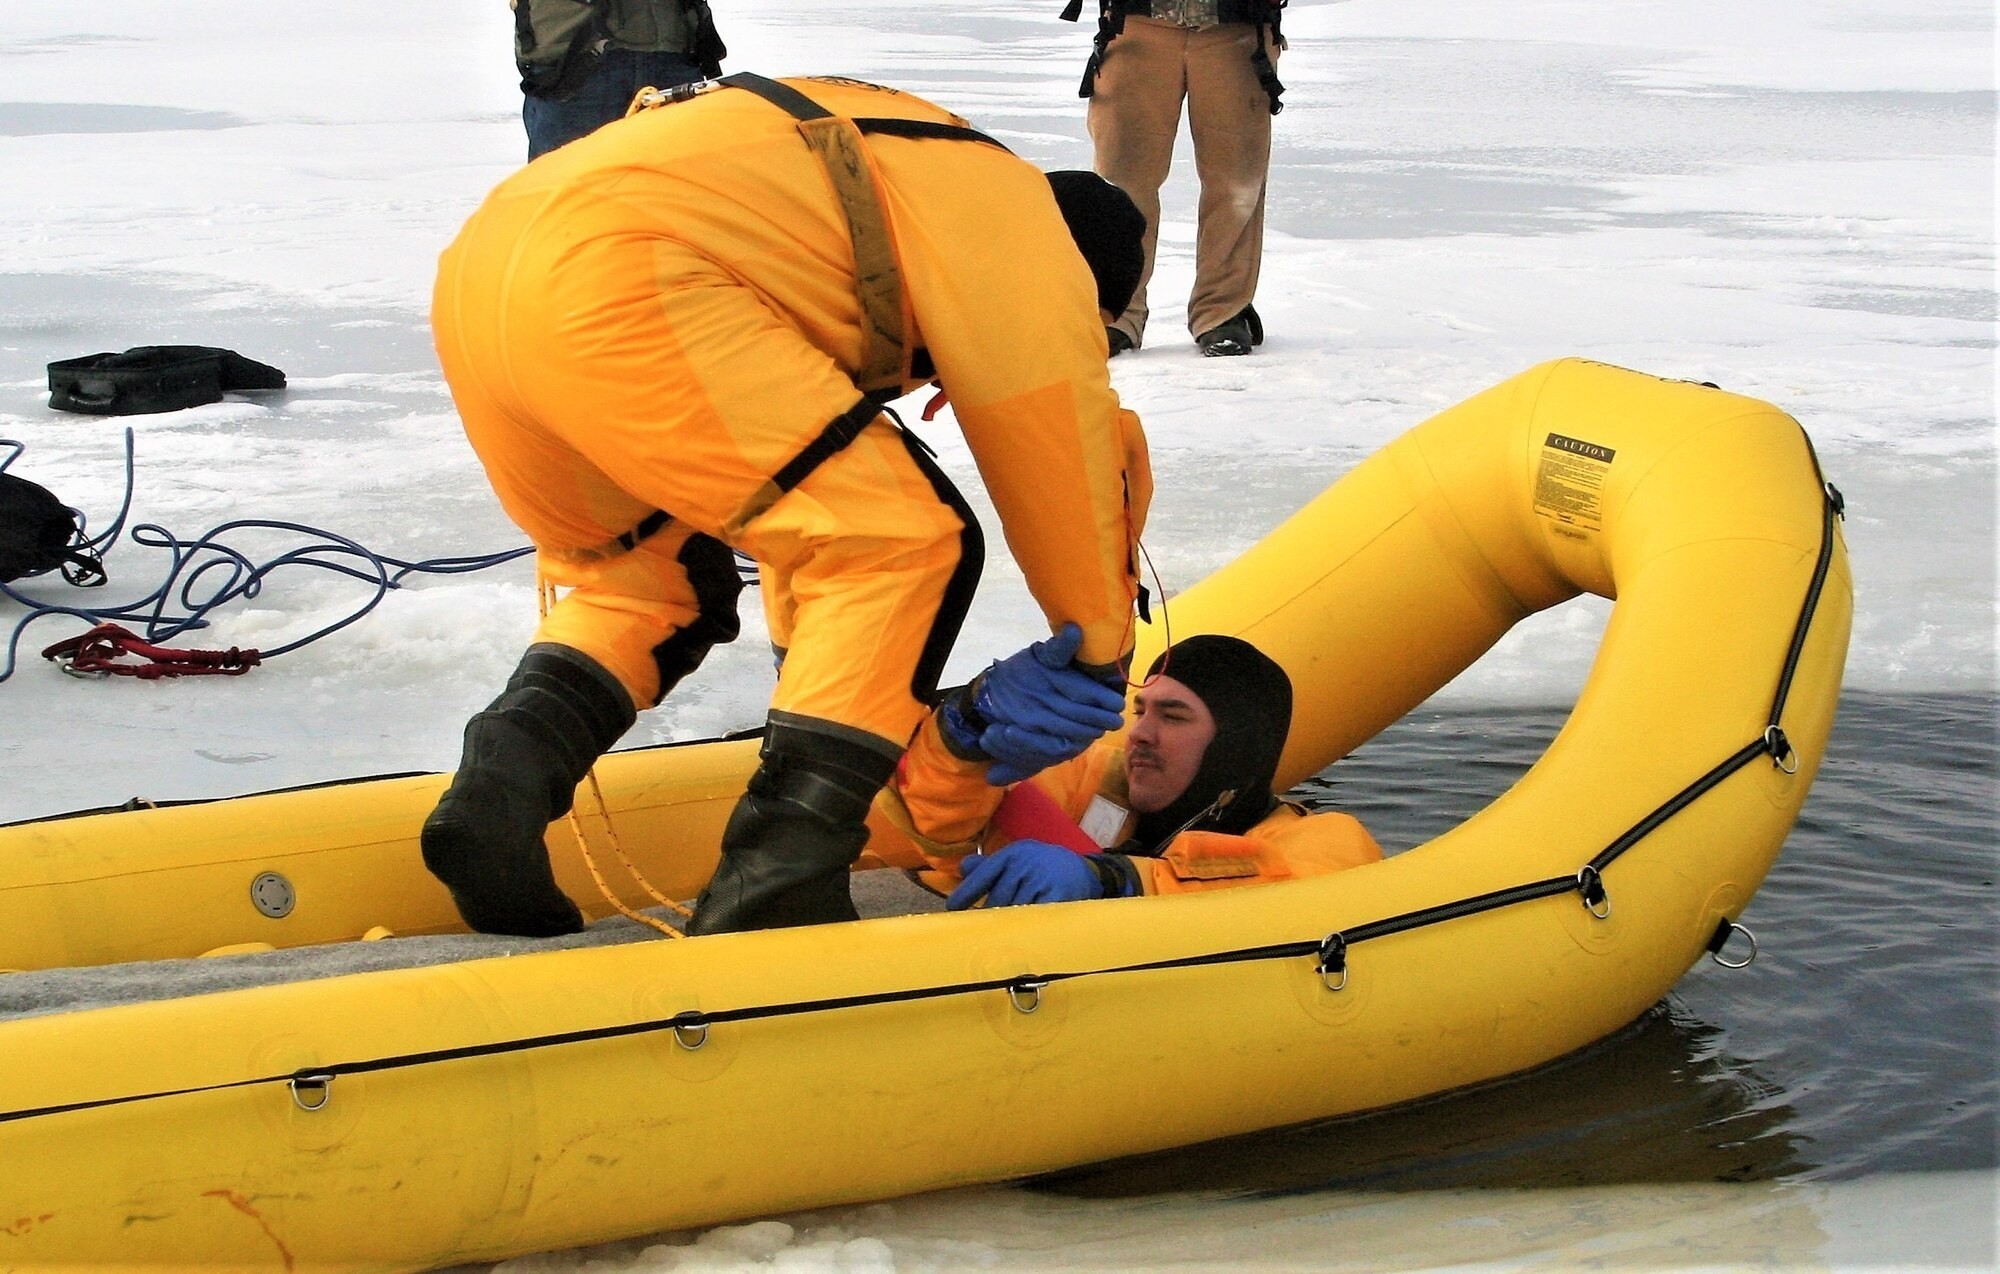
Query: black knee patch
x=711 y=569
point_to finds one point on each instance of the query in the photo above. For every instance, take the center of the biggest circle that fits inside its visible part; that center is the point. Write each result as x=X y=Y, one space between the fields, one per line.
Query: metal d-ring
x=314 y=1084
x=1332 y=961
x=1025 y=994
x=1783 y=755
x=690 y=1030
x=1590 y=884
x=1732 y=929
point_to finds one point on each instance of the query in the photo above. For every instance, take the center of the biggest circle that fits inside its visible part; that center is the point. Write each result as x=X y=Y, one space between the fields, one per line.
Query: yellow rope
x=546 y=598
x=604 y=886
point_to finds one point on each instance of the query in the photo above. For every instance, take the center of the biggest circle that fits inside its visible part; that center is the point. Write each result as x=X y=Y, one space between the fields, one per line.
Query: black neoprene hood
x=1250 y=698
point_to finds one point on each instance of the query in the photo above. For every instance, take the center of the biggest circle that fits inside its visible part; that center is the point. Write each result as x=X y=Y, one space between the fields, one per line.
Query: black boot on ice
x=793 y=836
x=523 y=758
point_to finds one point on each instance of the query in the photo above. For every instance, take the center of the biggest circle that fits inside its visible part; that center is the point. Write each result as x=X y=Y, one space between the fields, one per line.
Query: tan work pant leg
x=1229 y=116
x=601 y=376
x=1134 y=117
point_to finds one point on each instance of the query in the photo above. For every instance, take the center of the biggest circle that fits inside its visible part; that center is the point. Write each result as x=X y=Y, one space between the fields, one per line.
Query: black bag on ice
x=154 y=378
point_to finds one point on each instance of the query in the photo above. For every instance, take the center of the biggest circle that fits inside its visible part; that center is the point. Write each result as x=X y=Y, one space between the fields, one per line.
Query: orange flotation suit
x=939 y=808
x=668 y=337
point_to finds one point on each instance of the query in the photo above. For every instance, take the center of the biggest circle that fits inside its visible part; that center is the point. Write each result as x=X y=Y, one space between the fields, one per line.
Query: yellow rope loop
x=546 y=598
x=604 y=886
x=631 y=868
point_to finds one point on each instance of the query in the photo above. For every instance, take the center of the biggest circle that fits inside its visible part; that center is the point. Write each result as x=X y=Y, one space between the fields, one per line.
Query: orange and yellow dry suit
x=938 y=808
x=658 y=337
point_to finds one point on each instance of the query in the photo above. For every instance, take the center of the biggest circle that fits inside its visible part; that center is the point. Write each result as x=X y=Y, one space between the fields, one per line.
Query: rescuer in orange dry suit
x=671 y=339
x=1181 y=803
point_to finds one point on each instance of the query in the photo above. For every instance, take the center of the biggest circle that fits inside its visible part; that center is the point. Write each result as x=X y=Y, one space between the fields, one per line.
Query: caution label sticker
x=1569 y=484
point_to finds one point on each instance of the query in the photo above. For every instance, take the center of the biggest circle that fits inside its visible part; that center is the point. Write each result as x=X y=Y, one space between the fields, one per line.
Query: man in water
x=1182 y=802
x=671 y=339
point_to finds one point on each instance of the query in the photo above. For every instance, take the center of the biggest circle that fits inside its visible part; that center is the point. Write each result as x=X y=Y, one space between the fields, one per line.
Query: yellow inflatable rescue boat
x=468 y=1110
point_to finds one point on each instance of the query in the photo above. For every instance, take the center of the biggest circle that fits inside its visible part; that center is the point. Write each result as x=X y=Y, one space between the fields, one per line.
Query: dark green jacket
x=557 y=42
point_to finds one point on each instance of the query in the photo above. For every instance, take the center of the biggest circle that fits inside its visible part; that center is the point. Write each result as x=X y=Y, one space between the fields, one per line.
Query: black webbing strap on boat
x=1772 y=742
x=1330 y=951
x=1589 y=879
x=682 y=1024
x=1833 y=507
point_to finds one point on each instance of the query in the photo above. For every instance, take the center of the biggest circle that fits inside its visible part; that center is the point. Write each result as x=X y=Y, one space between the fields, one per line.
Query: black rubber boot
x=523 y=758
x=793 y=836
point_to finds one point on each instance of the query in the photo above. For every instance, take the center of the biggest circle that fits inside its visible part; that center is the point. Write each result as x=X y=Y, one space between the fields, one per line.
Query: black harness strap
x=878 y=278
x=964 y=582
x=624 y=542
x=649 y=526
x=1110 y=25
x=781 y=95
x=887 y=356
x=1261 y=64
x=839 y=431
x=926 y=129
x=887 y=360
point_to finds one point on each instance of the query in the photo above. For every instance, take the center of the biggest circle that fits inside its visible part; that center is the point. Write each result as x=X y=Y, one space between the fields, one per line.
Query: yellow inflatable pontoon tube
x=423 y=1117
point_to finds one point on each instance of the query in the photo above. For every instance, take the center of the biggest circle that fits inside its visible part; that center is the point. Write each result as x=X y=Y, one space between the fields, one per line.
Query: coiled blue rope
x=204 y=573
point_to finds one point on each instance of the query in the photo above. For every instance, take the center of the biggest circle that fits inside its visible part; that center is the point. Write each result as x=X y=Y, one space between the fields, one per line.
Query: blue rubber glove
x=1025 y=871
x=1038 y=709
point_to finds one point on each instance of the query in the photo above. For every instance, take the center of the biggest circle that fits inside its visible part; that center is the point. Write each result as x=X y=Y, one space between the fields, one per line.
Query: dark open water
x=1864 y=1039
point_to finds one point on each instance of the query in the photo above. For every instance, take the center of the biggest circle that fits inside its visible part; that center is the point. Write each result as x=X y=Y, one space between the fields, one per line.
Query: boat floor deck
x=878 y=893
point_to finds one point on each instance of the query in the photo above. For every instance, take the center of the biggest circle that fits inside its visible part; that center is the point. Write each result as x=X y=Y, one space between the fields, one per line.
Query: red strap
x=96 y=653
x=935 y=405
